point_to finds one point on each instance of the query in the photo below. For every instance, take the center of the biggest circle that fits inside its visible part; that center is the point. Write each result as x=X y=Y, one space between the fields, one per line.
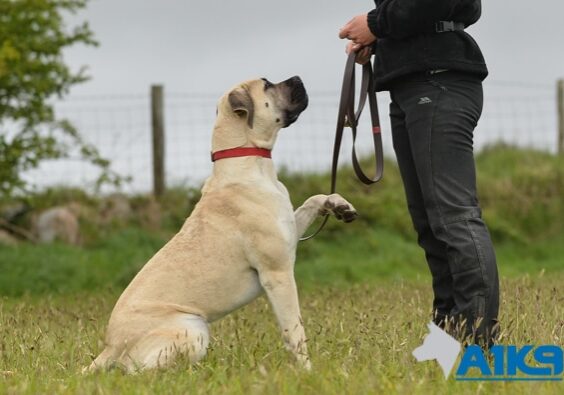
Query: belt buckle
x=444 y=26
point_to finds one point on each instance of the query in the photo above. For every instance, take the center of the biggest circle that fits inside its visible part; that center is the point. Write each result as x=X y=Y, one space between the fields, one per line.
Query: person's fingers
x=361 y=41
x=344 y=32
x=352 y=47
x=363 y=55
x=360 y=56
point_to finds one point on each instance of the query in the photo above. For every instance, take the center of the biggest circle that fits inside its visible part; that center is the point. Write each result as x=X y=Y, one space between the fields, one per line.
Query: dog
x=239 y=241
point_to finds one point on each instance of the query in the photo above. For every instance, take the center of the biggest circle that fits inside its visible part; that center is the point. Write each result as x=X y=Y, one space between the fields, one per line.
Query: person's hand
x=363 y=53
x=357 y=31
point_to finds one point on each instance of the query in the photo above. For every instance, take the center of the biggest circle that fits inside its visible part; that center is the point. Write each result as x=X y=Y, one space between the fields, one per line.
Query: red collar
x=238 y=152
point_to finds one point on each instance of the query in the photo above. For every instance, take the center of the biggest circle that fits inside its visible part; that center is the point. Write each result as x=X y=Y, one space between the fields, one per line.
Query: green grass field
x=365 y=294
x=360 y=339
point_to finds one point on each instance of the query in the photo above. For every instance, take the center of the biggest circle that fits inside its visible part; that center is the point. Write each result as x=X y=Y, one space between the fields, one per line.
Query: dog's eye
x=267 y=84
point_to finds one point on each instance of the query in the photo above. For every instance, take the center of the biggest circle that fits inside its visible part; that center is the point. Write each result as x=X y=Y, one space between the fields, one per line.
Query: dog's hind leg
x=320 y=205
x=186 y=335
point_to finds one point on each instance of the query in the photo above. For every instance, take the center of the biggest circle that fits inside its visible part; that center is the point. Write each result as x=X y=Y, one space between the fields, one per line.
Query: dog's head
x=254 y=111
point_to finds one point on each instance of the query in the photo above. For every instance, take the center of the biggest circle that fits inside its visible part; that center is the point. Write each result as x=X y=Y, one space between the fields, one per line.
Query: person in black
x=434 y=72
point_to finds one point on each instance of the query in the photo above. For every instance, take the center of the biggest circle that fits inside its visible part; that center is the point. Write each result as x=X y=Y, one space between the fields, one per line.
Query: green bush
x=521 y=194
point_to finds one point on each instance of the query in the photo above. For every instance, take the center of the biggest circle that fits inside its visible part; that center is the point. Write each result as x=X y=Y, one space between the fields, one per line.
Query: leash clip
x=349 y=124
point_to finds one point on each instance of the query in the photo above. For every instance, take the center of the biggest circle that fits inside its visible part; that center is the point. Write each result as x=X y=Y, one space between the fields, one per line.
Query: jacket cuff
x=373 y=25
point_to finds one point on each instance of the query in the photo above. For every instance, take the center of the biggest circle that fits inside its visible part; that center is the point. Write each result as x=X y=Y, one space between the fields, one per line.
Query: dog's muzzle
x=297 y=100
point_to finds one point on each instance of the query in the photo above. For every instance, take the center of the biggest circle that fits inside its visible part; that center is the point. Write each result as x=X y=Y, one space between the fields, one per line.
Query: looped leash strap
x=348 y=117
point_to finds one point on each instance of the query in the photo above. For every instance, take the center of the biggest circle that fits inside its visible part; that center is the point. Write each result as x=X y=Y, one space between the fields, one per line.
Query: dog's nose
x=297 y=89
x=295 y=81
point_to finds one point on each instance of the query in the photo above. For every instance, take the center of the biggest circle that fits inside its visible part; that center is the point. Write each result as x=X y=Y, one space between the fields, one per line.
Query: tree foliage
x=33 y=36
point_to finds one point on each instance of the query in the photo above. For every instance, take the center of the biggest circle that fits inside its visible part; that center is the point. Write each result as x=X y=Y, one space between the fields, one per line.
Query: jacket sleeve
x=404 y=18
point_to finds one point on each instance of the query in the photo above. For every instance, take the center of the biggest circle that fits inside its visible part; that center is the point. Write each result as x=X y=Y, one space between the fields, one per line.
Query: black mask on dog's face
x=290 y=98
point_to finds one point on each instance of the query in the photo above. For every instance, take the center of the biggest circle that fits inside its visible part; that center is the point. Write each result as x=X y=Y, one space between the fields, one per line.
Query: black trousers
x=433 y=117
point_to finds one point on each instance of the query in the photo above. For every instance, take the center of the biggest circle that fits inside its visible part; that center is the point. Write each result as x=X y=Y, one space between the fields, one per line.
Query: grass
x=365 y=292
x=59 y=268
x=352 y=257
x=360 y=339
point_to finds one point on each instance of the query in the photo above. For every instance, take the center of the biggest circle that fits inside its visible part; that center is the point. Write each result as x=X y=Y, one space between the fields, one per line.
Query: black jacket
x=407 y=41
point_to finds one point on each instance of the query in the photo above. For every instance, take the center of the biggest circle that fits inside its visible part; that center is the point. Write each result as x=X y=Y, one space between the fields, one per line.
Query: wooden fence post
x=158 y=130
x=560 y=148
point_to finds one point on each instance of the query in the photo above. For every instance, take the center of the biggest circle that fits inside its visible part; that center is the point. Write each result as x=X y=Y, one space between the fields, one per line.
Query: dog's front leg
x=320 y=205
x=281 y=290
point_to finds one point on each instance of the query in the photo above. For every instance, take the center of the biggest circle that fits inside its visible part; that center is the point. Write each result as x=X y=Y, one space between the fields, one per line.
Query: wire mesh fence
x=519 y=114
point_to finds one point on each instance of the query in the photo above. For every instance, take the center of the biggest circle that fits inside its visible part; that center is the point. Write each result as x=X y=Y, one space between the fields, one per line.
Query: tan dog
x=239 y=241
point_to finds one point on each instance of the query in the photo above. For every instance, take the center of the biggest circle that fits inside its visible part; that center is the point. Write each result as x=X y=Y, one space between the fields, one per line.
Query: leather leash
x=348 y=117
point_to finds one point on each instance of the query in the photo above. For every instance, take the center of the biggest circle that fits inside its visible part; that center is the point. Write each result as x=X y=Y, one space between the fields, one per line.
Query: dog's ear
x=242 y=104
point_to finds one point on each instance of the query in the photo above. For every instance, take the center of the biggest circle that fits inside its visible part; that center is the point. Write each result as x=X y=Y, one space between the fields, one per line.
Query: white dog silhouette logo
x=438 y=345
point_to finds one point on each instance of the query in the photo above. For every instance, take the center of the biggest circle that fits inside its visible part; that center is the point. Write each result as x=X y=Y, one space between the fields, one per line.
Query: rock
x=150 y=214
x=116 y=208
x=57 y=223
x=6 y=239
x=14 y=211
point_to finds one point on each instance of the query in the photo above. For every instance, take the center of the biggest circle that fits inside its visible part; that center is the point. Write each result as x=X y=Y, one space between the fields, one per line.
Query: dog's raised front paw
x=339 y=207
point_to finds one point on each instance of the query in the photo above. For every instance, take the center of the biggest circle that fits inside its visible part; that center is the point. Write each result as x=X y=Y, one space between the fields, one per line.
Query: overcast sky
x=207 y=46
